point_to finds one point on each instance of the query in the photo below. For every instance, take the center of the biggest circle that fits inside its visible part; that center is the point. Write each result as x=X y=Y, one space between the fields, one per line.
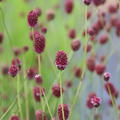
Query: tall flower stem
x=112 y=99
x=48 y=106
x=18 y=97
x=84 y=67
x=61 y=98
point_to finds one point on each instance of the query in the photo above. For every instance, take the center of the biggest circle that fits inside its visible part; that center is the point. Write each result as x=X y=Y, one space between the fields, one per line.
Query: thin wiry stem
x=18 y=97
x=112 y=99
x=61 y=97
x=48 y=106
x=26 y=93
x=9 y=108
x=84 y=66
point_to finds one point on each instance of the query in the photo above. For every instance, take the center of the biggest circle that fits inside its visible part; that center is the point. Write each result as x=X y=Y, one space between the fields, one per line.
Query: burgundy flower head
x=36 y=93
x=72 y=33
x=107 y=76
x=38 y=79
x=56 y=90
x=77 y=71
x=89 y=14
x=87 y=2
x=91 y=31
x=113 y=8
x=39 y=42
x=50 y=15
x=99 y=2
x=32 y=18
x=75 y=45
x=61 y=60
x=17 y=62
x=25 y=48
x=96 y=101
x=69 y=5
x=38 y=12
x=5 y=69
x=14 y=117
x=30 y=73
x=100 y=69
x=91 y=63
x=44 y=30
x=13 y=70
x=69 y=83
x=65 y=110
x=109 y=87
x=40 y=115
x=89 y=47
x=1 y=37
x=16 y=51
x=88 y=102
x=103 y=39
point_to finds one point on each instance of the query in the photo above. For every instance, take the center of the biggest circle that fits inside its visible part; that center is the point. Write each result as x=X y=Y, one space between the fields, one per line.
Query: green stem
x=61 y=98
x=48 y=106
x=18 y=97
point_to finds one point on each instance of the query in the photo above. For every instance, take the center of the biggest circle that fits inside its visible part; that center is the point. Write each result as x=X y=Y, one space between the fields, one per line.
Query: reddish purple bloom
x=75 y=45
x=44 y=30
x=25 y=48
x=36 y=93
x=32 y=18
x=72 y=33
x=103 y=39
x=87 y=2
x=96 y=101
x=69 y=5
x=77 y=71
x=91 y=63
x=107 y=76
x=38 y=12
x=40 y=115
x=5 y=70
x=39 y=42
x=14 y=117
x=30 y=73
x=13 y=70
x=100 y=69
x=38 y=79
x=110 y=88
x=99 y=2
x=88 y=102
x=61 y=60
x=17 y=62
x=69 y=83
x=56 y=90
x=113 y=8
x=91 y=31
x=50 y=15
x=65 y=110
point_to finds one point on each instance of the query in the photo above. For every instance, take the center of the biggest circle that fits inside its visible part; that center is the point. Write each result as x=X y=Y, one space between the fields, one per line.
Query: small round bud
x=107 y=76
